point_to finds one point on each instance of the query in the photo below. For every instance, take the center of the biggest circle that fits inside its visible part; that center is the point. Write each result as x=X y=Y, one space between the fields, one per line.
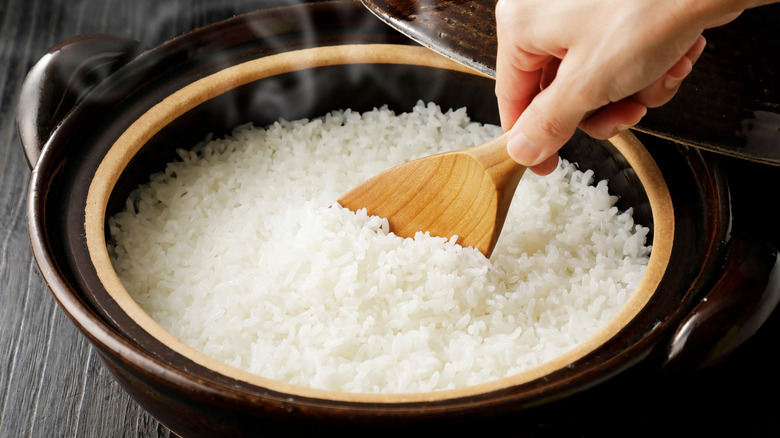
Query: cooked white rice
x=239 y=250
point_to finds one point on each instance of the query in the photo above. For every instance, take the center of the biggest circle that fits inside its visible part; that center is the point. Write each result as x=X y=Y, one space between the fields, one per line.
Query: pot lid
x=729 y=104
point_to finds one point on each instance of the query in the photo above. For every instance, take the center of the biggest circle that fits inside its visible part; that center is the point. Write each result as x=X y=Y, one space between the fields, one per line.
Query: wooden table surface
x=52 y=384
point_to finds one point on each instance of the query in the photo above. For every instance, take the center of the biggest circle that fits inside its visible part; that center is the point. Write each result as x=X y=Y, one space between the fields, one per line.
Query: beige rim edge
x=190 y=96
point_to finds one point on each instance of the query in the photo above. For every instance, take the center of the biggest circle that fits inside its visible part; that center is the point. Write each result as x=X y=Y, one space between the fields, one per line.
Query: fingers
x=518 y=75
x=547 y=166
x=549 y=82
x=518 y=71
x=516 y=88
x=514 y=93
x=621 y=115
x=552 y=116
x=545 y=121
x=602 y=124
x=613 y=118
x=539 y=132
x=663 y=89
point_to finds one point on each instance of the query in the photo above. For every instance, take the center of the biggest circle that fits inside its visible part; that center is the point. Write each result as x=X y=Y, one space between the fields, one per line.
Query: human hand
x=593 y=64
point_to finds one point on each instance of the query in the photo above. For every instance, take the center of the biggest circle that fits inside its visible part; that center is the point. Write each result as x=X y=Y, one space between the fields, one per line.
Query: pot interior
x=310 y=83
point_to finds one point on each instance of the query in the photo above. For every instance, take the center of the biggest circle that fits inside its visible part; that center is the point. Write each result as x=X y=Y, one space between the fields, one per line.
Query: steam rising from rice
x=239 y=250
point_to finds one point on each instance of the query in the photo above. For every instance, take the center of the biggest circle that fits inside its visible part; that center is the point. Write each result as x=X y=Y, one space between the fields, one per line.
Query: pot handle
x=739 y=303
x=60 y=79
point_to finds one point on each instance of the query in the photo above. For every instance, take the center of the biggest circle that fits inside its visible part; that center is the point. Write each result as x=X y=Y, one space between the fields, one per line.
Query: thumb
x=545 y=125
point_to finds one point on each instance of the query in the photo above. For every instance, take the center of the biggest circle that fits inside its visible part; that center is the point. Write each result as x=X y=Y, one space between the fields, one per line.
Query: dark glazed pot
x=86 y=94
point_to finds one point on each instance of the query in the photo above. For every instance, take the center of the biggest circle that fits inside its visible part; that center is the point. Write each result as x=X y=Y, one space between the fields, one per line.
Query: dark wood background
x=53 y=385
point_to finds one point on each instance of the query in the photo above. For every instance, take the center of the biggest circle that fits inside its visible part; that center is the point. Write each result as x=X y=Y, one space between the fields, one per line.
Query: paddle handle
x=495 y=159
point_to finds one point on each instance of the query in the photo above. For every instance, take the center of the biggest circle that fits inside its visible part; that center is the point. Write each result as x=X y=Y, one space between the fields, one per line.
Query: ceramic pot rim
x=185 y=99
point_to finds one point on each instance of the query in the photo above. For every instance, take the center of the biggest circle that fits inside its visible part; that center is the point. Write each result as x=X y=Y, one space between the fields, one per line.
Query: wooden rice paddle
x=464 y=193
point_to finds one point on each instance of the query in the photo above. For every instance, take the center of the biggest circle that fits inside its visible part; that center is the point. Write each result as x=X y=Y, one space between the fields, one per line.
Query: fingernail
x=522 y=150
x=672 y=83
